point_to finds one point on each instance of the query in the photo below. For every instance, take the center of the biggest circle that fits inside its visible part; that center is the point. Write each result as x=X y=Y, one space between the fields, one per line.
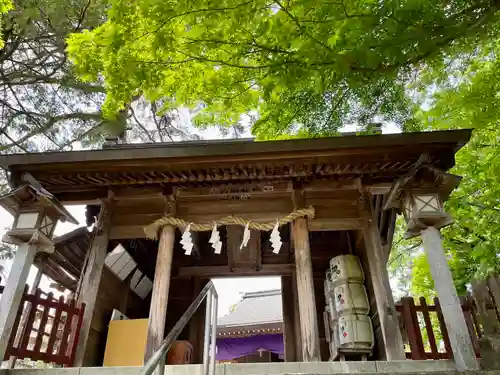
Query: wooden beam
x=306 y=297
x=223 y=271
x=331 y=185
x=393 y=342
x=287 y=299
x=91 y=278
x=96 y=195
x=159 y=298
x=52 y=270
x=334 y=224
x=124 y=232
x=253 y=208
x=382 y=188
x=390 y=233
x=69 y=265
x=225 y=191
x=331 y=214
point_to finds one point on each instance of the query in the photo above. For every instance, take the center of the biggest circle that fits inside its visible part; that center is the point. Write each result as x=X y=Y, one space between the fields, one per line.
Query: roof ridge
x=262 y=293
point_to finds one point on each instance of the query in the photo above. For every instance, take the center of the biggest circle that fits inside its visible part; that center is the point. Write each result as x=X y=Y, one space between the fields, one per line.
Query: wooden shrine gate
x=46 y=329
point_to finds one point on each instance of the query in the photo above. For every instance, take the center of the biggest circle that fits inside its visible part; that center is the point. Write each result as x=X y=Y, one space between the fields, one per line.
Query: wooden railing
x=51 y=329
x=425 y=332
x=486 y=295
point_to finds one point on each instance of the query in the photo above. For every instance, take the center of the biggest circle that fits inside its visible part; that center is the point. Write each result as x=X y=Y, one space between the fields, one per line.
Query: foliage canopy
x=464 y=95
x=5 y=6
x=284 y=66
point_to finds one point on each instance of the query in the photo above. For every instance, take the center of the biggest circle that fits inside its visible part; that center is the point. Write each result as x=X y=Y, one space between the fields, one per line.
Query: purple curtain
x=231 y=348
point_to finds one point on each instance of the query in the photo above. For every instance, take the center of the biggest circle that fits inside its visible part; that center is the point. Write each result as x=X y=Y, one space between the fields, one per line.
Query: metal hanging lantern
x=36 y=213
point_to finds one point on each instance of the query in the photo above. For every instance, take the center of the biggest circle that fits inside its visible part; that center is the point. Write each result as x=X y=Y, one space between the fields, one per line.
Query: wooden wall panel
x=110 y=295
x=247 y=257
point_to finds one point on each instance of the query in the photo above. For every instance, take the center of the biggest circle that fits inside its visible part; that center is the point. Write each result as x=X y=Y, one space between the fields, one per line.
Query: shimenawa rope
x=152 y=229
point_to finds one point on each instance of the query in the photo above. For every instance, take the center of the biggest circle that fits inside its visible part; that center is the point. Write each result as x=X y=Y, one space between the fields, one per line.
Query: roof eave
x=213 y=149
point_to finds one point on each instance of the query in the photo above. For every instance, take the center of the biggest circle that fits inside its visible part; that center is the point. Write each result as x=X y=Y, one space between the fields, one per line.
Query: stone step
x=317 y=368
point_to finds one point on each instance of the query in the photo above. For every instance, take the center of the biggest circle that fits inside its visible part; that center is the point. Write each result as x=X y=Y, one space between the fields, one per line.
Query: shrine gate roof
x=86 y=175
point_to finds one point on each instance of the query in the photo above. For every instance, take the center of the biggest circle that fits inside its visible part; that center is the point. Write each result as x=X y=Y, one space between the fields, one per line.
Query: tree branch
x=141 y=125
x=50 y=122
x=301 y=28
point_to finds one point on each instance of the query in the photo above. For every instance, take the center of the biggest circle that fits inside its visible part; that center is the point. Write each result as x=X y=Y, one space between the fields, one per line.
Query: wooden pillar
x=296 y=321
x=24 y=317
x=461 y=344
x=393 y=342
x=13 y=291
x=161 y=284
x=305 y=289
x=91 y=278
x=200 y=323
x=288 y=318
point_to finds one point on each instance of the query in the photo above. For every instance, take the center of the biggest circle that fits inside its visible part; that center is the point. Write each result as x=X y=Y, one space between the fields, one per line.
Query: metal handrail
x=157 y=360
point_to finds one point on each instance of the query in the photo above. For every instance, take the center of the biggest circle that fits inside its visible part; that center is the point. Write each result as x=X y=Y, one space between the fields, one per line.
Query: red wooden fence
x=418 y=318
x=52 y=328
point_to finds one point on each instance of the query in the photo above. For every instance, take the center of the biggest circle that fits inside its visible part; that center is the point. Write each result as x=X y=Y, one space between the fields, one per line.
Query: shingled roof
x=257 y=313
x=82 y=176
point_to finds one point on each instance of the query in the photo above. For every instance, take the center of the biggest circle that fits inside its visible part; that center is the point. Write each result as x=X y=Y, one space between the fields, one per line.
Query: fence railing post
x=413 y=328
x=493 y=285
x=428 y=327
x=486 y=295
x=28 y=345
x=485 y=307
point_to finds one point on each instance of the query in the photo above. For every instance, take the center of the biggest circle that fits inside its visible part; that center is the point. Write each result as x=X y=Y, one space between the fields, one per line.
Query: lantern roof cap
x=33 y=191
x=422 y=176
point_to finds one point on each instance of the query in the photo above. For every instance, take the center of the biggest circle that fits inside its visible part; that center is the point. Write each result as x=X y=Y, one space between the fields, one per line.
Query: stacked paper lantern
x=347 y=308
